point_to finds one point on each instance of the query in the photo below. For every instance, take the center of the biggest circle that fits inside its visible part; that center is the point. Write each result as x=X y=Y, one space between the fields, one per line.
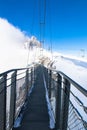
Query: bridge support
x=27 y=82
x=12 y=100
x=3 y=93
x=50 y=78
x=31 y=76
x=65 y=103
x=58 y=103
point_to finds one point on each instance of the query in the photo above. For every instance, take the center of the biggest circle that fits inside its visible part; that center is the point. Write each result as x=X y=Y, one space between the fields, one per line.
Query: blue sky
x=66 y=21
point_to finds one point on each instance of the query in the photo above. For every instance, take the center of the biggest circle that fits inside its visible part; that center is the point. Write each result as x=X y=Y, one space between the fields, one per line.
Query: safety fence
x=14 y=88
x=68 y=101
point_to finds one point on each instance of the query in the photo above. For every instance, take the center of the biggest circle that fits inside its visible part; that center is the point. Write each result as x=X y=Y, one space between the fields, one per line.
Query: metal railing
x=68 y=101
x=14 y=88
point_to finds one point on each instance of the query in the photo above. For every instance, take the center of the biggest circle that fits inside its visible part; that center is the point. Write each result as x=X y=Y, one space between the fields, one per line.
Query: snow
x=15 y=54
x=17 y=122
x=75 y=69
x=50 y=112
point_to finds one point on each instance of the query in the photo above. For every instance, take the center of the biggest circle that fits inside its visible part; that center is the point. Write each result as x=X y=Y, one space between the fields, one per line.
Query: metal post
x=34 y=74
x=58 y=103
x=3 y=92
x=5 y=88
x=65 y=103
x=12 y=100
x=47 y=78
x=27 y=83
x=50 y=75
x=31 y=77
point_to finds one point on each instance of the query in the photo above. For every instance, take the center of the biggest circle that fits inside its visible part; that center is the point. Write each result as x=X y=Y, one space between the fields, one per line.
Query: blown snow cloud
x=10 y=36
x=32 y=42
x=12 y=46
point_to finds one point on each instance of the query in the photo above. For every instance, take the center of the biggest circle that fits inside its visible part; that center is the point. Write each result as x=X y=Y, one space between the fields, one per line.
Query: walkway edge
x=50 y=111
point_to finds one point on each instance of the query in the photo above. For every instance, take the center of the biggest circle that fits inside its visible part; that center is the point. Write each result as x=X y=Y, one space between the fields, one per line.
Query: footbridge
x=39 y=98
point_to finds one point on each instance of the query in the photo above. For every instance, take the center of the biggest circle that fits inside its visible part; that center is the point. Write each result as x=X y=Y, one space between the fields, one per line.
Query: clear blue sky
x=66 y=21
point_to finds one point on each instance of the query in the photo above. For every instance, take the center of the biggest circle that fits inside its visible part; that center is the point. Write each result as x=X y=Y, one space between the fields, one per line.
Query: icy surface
x=52 y=120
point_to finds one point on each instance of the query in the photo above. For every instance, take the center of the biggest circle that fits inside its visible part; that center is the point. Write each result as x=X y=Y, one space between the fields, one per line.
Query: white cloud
x=11 y=46
x=10 y=36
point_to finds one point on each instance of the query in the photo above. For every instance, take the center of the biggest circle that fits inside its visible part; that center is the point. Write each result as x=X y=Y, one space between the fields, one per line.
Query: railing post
x=12 y=100
x=50 y=78
x=27 y=83
x=34 y=74
x=47 y=78
x=35 y=68
x=65 y=103
x=58 y=103
x=31 y=77
x=3 y=91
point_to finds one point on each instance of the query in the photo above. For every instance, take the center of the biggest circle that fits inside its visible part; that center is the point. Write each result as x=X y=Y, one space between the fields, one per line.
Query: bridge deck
x=36 y=115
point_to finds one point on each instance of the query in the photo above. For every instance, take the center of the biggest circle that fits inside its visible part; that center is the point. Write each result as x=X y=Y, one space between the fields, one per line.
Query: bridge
x=40 y=98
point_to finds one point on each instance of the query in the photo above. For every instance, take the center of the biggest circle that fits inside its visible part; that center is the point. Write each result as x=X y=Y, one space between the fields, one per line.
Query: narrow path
x=36 y=116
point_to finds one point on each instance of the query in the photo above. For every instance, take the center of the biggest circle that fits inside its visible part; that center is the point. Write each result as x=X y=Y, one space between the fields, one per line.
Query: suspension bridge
x=38 y=98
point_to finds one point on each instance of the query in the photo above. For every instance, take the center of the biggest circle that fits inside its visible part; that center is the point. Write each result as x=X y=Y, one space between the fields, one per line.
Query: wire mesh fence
x=14 y=88
x=72 y=113
x=75 y=121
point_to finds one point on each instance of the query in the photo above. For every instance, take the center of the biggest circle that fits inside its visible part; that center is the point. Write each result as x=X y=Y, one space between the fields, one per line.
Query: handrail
x=61 y=92
x=79 y=87
x=9 y=71
x=14 y=87
x=65 y=111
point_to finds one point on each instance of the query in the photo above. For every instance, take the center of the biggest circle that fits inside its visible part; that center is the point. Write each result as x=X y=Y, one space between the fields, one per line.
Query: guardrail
x=14 y=87
x=68 y=100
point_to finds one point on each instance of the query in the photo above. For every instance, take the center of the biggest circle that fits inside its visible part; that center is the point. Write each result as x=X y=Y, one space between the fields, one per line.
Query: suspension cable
x=32 y=29
x=50 y=25
x=42 y=20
